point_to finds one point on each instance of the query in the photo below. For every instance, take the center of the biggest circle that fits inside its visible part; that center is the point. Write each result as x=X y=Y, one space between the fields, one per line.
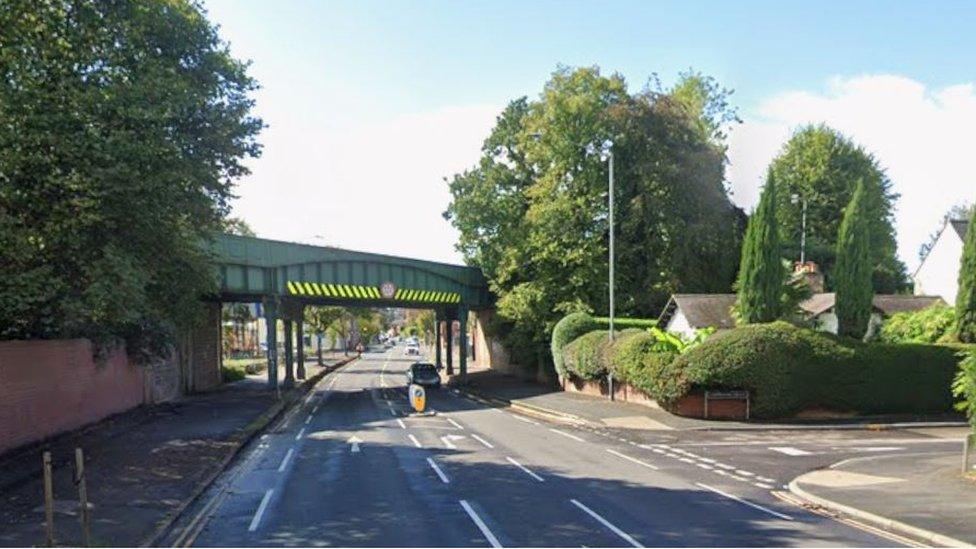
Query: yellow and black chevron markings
x=352 y=291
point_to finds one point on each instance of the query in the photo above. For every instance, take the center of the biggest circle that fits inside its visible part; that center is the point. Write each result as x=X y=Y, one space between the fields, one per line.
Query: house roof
x=703 y=310
x=960 y=225
x=887 y=304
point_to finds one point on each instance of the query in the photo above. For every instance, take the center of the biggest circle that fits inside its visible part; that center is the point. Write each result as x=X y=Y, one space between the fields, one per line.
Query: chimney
x=810 y=272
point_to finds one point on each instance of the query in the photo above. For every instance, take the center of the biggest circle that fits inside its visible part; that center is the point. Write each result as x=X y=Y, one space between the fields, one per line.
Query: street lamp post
x=606 y=154
x=803 y=227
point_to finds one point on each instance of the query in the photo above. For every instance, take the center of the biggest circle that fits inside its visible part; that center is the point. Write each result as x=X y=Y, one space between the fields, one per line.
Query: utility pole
x=803 y=227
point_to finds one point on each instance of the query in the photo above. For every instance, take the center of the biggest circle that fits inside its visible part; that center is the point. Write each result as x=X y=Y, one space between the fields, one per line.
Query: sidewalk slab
x=142 y=466
x=923 y=496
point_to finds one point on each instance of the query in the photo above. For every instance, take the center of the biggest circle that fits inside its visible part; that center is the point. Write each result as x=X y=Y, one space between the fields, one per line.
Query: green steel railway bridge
x=286 y=276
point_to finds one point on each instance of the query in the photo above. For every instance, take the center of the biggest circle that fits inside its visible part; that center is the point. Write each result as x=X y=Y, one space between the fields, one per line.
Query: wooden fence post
x=82 y=497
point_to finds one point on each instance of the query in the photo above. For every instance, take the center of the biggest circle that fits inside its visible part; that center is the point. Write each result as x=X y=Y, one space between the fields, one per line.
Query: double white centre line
x=623 y=535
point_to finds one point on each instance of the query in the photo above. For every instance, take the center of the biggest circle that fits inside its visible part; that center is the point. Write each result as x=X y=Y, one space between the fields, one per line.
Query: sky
x=370 y=105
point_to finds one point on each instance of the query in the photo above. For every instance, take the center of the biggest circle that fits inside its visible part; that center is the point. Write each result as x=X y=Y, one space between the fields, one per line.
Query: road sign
x=418 y=397
x=387 y=290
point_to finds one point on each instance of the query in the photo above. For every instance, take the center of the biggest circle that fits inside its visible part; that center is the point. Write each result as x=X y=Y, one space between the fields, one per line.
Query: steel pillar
x=271 y=321
x=463 y=341
x=449 y=345
x=289 y=355
x=437 y=340
x=300 y=337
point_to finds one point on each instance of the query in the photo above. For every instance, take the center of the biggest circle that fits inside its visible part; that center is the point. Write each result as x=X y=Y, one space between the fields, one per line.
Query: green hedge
x=930 y=325
x=585 y=356
x=624 y=323
x=566 y=330
x=787 y=369
x=638 y=364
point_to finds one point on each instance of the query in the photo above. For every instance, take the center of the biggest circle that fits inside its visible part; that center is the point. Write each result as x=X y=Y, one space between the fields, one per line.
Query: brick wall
x=48 y=387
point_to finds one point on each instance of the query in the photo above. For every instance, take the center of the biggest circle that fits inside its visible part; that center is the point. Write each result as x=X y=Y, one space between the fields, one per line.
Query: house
x=685 y=314
x=938 y=274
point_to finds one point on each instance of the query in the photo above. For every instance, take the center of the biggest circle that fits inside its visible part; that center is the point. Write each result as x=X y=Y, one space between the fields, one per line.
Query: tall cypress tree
x=966 y=298
x=852 y=272
x=761 y=273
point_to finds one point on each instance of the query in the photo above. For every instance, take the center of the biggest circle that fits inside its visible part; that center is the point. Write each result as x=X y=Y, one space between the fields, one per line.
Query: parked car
x=423 y=373
x=412 y=350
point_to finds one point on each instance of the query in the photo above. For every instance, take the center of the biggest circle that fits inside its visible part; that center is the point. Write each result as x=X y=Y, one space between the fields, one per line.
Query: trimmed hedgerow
x=565 y=331
x=639 y=364
x=625 y=323
x=930 y=325
x=585 y=356
x=787 y=369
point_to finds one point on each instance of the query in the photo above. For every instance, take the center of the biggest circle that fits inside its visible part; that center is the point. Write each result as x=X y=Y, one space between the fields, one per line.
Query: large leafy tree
x=966 y=297
x=852 y=273
x=820 y=165
x=123 y=124
x=533 y=212
x=761 y=275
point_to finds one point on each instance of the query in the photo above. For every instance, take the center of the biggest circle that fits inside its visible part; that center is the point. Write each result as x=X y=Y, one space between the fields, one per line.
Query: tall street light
x=606 y=154
x=795 y=198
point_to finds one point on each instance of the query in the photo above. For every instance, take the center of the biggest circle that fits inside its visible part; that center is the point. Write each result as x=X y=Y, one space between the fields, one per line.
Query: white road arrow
x=448 y=441
x=354 y=444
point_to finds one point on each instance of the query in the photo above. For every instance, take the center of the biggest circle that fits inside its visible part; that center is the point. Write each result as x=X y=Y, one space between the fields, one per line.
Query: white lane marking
x=657 y=450
x=525 y=469
x=300 y=433
x=284 y=462
x=761 y=485
x=790 y=451
x=765 y=479
x=706 y=460
x=260 y=512
x=705 y=466
x=308 y=419
x=524 y=419
x=401 y=424
x=724 y=466
x=480 y=524
x=392 y=413
x=623 y=535
x=481 y=440
x=744 y=473
x=316 y=409
x=567 y=435
x=415 y=441
x=635 y=460
x=686 y=460
x=454 y=423
x=744 y=502
x=448 y=444
x=437 y=469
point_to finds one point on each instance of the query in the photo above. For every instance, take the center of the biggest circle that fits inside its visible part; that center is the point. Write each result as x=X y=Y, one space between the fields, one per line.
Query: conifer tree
x=966 y=298
x=852 y=272
x=761 y=274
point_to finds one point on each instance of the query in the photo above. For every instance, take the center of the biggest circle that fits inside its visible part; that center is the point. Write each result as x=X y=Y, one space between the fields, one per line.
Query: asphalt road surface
x=353 y=467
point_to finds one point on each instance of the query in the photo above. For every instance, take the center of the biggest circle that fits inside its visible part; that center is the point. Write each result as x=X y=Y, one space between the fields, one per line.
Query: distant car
x=423 y=373
x=412 y=350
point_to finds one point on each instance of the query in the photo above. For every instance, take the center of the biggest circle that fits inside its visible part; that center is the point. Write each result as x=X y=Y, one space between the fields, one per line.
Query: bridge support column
x=300 y=336
x=271 y=322
x=449 y=345
x=289 y=355
x=463 y=342
x=437 y=340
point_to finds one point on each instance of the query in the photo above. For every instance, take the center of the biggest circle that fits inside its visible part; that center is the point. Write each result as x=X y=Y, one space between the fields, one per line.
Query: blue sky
x=373 y=102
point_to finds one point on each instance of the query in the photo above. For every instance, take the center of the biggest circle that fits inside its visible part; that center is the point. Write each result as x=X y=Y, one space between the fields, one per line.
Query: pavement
x=353 y=466
x=142 y=466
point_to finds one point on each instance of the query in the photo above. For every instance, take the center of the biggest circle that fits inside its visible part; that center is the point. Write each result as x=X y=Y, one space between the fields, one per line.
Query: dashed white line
x=437 y=469
x=401 y=424
x=480 y=524
x=765 y=479
x=525 y=469
x=393 y=412
x=308 y=419
x=790 y=451
x=524 y=419
x=744 y=473
x=454 y=423
x=744 y=502
x=260 y=512
x=567 y=435
x=761 y=485
x=481 y=440
x=623 y=535
x=300 y=433
x=631 y=459
x=284 y=462
x=316 y=409
x=415 y=441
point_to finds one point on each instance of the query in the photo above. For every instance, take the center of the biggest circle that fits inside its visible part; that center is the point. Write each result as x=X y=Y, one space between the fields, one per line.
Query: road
x=352 y=467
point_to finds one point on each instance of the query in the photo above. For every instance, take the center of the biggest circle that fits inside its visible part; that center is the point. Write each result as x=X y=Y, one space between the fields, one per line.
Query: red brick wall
x=48 y=387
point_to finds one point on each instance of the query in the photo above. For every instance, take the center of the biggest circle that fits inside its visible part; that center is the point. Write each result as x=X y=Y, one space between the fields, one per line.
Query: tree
x=852 y=278
x=237 y=225
x=533 y=212
x=123 y=125
x=821 y=166
x=761 y=274
x=319 y=319
x=966 y=298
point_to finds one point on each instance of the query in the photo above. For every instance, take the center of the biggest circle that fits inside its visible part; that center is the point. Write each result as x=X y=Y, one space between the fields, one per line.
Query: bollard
x=83 y=513
x=48 y=500
x=967 y=454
